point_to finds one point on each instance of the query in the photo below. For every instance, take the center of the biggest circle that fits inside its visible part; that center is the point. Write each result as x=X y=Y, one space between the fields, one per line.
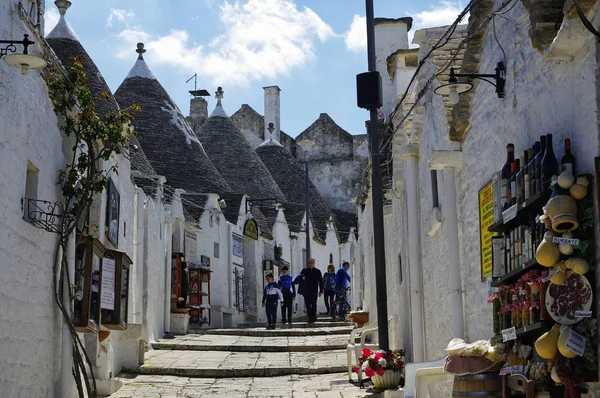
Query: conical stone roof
x=235 y=159
x=291 y=178
x=165 y=136
x=66 y=46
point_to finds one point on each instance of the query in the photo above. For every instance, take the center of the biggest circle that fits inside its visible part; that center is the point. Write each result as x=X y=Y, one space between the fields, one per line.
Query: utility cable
x=586 y=22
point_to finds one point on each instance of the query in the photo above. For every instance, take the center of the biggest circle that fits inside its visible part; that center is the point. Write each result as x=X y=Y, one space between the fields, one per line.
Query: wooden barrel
x=481 y=385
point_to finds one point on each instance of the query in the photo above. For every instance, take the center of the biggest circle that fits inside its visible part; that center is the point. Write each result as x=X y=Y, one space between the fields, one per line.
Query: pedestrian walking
x=341 y=279
x=313 y=287
x=185 y=286
x=288 y=290
x=329 y=287
x=271 y=296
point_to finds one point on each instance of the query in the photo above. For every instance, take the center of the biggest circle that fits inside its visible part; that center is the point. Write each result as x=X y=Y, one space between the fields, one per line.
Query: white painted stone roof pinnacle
x=62 y=30
x=140 y=68
x=219 y=111
x=270 y=142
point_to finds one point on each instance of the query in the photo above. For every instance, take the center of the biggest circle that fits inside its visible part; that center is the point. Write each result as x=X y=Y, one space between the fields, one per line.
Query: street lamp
x=305 y=144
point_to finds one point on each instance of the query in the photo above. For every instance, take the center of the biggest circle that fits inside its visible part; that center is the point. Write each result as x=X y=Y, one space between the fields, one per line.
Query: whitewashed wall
x=543 y=96
x=28 y=131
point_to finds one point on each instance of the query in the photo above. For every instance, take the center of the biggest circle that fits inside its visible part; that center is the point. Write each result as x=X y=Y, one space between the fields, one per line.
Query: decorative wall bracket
x=43 y=214
x=11 y=47
x=269 y=202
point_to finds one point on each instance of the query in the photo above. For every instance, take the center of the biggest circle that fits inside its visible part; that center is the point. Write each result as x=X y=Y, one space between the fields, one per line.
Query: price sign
x=556 y=271
x=565 y=241
x=505 y=371
x=583 y=314
x=509 y=214
x=509 y=334
x=516 y=370
x=576 y=342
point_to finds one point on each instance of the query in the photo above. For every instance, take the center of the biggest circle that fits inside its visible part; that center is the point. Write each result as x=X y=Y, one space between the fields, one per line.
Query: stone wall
x=30 y=325
x=540 y=99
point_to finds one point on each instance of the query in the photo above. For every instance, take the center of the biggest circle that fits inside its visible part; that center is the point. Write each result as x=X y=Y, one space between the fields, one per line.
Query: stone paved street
x=251 y=362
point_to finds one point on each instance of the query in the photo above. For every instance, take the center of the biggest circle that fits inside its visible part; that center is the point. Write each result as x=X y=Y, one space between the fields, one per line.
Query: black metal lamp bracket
x=11 y=47
x=499 y=77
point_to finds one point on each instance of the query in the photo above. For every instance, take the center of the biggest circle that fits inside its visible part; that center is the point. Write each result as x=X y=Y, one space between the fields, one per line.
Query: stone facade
x=539 y=95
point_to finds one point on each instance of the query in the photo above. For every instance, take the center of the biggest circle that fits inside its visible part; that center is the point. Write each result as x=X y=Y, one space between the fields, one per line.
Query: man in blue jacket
x=289 y=294
x=341 y=279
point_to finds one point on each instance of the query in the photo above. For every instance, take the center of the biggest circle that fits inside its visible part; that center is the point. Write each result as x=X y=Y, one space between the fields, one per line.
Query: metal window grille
x=239 y=290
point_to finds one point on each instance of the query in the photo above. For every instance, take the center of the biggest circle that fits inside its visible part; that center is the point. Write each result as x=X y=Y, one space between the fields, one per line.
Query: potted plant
x=385 y=368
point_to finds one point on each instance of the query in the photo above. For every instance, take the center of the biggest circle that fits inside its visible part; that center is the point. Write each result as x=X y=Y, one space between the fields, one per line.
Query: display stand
x=199 y=300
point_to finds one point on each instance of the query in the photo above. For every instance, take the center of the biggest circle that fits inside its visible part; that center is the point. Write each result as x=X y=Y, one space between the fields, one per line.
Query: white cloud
x=51 y=17
x=119 y=15
x=441 y=14
x=262 y=39
x=356 y=37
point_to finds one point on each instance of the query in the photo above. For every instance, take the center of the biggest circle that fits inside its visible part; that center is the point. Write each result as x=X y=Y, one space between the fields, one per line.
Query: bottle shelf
x=531 y=207
x=533 y=329
x=515 y=274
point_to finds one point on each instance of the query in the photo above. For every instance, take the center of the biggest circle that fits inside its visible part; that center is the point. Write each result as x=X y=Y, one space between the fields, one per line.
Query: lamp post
x=369 y=96
x=306 y=144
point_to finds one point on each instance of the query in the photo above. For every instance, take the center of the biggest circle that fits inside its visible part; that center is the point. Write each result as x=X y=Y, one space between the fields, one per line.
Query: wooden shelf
x=515 y=274
x=530 y=208
x=533 y=329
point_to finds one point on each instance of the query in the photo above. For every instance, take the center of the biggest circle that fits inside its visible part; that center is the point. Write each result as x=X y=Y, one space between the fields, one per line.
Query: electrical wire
x=586 y=22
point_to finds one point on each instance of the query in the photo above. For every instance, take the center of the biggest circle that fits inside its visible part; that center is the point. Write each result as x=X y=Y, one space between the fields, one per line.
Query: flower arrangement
x=373 y=363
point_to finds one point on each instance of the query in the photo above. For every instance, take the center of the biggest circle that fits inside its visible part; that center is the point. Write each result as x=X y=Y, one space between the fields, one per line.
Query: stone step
x=262 y=332
x=252 y=344
x=321 y=323
x=219 y=364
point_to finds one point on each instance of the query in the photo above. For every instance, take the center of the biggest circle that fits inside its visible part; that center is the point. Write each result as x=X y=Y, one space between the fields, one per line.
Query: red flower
x=369 y=372
x=355 y=369
x=380 y=371
x=366 y=352
x=378 y=356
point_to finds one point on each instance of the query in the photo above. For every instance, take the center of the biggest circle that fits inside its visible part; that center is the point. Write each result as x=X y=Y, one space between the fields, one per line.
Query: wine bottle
x=567 y=162
x=526 y=176
x=521 y=181
x=538 y=165
x=549 y=166
x=513 y=187
x=504 y=187
x=512 y=184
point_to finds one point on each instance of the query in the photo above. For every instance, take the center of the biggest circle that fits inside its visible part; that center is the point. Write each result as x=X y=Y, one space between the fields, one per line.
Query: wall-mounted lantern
x=24 y=61
x=454 y=88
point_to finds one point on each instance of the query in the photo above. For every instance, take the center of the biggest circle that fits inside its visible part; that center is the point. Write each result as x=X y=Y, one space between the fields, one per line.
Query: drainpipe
x=409 y=154
x=230 y=263
x=448 y=161
x=66 y=364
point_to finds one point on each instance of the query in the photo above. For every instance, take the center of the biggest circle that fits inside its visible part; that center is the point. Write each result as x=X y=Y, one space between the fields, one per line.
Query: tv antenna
x=197 y=93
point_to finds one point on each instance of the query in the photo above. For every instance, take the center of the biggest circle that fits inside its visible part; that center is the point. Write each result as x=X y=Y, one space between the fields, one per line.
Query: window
x=216 y=250
x=112 y=213
x=434 y=189
x=115 y=289
x=88 y=257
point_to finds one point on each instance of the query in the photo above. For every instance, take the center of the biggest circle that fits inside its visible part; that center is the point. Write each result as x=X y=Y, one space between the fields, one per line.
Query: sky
x=311 y=49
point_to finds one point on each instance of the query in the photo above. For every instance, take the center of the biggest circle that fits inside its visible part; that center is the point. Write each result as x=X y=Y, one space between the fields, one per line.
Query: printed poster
x=107 y=292
x=486 y=219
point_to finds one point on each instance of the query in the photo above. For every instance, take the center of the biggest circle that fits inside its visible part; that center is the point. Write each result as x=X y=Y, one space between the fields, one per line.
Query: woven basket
x=562 y=211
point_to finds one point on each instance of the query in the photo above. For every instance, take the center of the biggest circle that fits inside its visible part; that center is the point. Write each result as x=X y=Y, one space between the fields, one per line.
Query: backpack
x=329 y=281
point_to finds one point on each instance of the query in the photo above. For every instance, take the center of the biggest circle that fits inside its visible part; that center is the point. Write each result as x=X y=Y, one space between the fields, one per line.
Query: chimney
x=198 y=111
x=272 y=112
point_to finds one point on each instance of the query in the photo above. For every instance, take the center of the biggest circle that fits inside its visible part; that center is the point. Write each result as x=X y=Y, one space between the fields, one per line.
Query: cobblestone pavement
x=303 y=361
